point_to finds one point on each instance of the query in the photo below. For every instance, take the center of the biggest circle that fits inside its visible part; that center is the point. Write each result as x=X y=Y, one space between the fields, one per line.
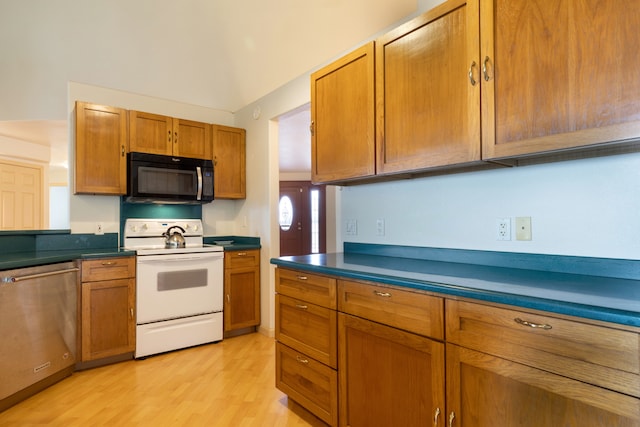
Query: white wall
x=585 y=207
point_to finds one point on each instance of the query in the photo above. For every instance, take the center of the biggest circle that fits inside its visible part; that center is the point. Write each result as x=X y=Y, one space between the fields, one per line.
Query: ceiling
x=219 y=54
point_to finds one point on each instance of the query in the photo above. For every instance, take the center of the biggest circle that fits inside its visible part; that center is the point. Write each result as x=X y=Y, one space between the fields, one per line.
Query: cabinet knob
x=169 y=136
x=312 y=127
x=175 y=137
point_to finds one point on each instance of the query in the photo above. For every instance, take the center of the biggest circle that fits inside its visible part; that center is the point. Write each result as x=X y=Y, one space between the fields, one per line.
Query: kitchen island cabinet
x=100 y=149
x=108 y=323
x=482 y=356
x=241 y=289
x=229 y=162
x=306 y=347
x=158 y=134
x=512 y=367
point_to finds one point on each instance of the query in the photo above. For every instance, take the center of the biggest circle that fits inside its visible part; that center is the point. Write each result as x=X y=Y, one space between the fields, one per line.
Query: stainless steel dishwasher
x=38 y=322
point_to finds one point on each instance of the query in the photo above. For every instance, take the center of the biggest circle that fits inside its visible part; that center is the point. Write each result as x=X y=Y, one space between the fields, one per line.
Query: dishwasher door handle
x=14 y=279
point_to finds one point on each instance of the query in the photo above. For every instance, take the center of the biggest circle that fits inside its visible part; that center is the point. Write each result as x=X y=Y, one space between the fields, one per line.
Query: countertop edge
x=604 y=314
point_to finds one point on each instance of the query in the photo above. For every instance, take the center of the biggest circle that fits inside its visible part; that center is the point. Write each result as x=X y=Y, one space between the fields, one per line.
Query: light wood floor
x=231 y=383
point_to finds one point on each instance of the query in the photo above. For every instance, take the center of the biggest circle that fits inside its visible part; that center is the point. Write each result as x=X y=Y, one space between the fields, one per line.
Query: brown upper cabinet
x=229 y=162
x=428 y=113
x=472 y=81
x=558 y=75
x=342 y=118
x=157 y=134
x=100 y=149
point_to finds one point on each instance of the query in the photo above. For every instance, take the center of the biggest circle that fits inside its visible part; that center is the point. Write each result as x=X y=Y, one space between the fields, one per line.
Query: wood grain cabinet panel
x=308 y=382
x=388 y=377
x=308 y=328
x=241 y=289
x=412 y=311
x=100 y=149
x=428 y=111
x=229 y=162
x=107 y=295
x=484 y=390
x=314 y=288
x=559 y=75
x=163 y=135
x=598 y=355
x=343 y=119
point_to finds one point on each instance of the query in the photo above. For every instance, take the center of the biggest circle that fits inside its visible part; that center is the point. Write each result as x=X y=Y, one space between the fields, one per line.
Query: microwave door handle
x=199 y=172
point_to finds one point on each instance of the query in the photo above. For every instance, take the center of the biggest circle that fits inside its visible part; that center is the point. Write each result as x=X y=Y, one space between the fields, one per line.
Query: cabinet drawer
x=108 y=268
x=411 y=311
x=308 y=328
x=599 y=355
x=308 y=382
x=313 y=288
x=239 y=259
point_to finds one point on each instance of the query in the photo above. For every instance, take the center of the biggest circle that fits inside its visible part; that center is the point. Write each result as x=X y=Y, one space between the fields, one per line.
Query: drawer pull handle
x=435 y=418
x=452 y=416
x=532 y=325
x=107 y=263
x=382 y=294
x=302 y=307
x=242 y=254
x=302 y=278
x=301 y=360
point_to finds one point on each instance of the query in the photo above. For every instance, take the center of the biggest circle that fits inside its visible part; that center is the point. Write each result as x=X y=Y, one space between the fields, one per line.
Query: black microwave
x=153 y=178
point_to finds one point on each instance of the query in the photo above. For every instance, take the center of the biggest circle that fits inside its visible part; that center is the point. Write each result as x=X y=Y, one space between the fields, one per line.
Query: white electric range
x=179 y=291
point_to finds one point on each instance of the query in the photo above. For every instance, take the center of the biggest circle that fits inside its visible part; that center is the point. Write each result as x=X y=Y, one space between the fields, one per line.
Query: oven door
x=171 y=286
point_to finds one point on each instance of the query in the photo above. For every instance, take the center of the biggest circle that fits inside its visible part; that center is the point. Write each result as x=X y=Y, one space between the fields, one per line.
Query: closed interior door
x=21 y=197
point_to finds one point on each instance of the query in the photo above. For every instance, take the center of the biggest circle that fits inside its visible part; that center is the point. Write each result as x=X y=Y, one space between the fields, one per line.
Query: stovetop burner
x=145 y=236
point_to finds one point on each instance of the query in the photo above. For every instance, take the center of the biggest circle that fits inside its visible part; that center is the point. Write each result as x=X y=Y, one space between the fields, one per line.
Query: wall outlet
x=380 y=227
x=503 y=229
x=99 y=228
x=352 y=227
x=523 y=228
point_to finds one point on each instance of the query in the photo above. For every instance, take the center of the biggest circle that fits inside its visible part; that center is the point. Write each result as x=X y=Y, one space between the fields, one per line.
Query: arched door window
x=285 y=216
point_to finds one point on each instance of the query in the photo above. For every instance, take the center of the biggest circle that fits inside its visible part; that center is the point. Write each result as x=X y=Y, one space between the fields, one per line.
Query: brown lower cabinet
x=241 y=289
x=108 y=323
x=411 y=358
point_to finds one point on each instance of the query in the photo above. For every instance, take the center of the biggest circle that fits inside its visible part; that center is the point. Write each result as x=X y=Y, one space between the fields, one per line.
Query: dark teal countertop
x=557 y=286
x=27 y=249
x=33 y=258
x=234 y=243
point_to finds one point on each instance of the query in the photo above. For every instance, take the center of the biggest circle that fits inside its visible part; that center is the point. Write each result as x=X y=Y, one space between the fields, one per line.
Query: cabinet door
x=242 y=297
x=108 y=322
x=191 y=139
x=388 y=377
x=100 y=149
x=342 y=118
x=428 y=109
x=484 y=391
x=150 y=133
x=561 y=74
x=229 y=162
